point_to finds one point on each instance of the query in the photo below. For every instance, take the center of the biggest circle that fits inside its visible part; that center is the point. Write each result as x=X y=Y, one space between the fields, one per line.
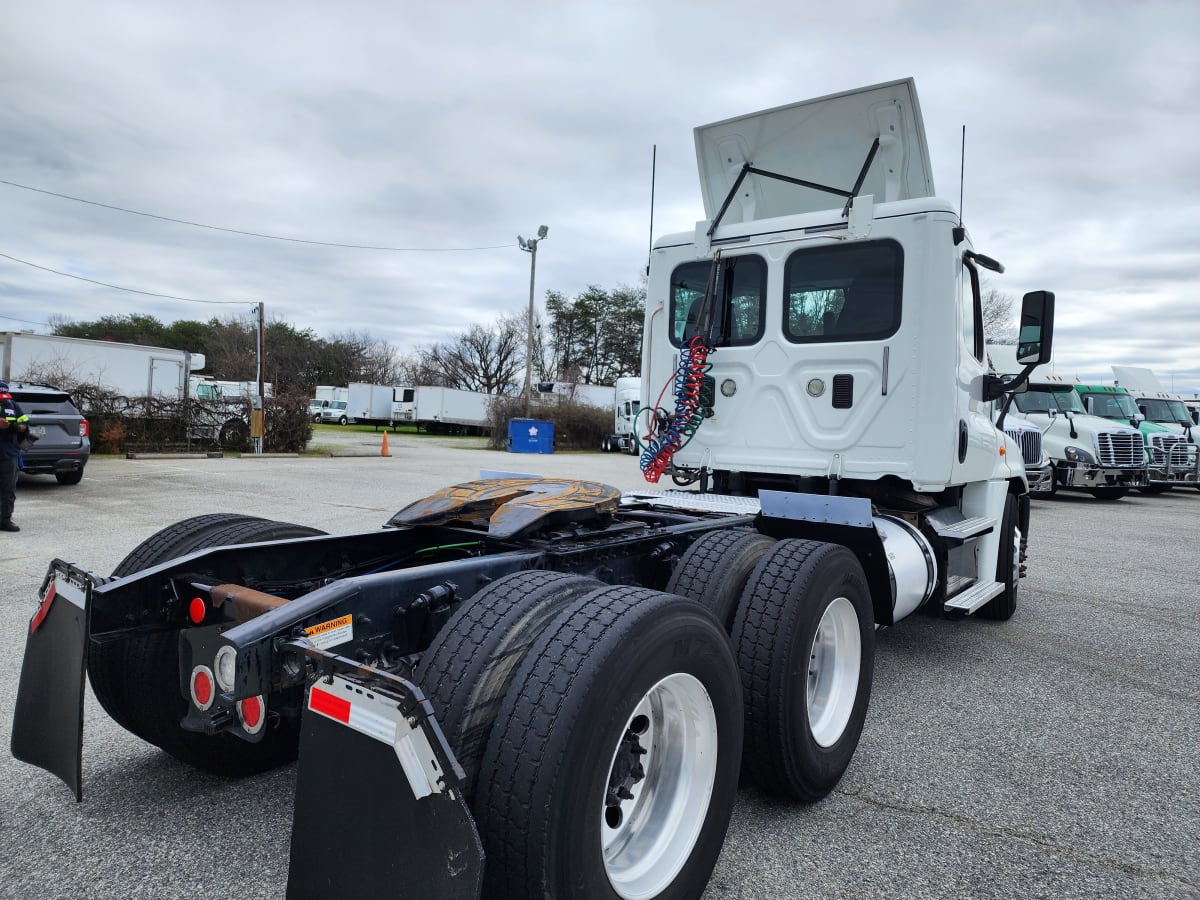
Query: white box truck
x=627 y=394
x=131 y=370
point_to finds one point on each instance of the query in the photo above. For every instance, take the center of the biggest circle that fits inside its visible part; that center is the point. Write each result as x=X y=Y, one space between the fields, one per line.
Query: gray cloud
x=464 y=125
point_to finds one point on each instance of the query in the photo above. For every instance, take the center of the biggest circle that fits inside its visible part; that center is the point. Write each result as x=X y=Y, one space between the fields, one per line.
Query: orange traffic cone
x=383 y=451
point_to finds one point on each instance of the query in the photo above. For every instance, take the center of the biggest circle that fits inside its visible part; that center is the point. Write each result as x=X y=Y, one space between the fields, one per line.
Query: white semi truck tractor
x=527 y=687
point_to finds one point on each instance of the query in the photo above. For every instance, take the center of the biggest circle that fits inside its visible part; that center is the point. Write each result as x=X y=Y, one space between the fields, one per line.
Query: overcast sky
x=442 y=127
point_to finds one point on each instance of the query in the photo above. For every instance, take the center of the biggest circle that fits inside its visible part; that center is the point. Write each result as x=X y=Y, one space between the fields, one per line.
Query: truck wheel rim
x=651 y=816
x=834 y=664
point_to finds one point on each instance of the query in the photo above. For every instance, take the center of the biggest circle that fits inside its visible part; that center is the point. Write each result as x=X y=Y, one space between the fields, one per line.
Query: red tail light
x=197 y=609
x=253 y=713
x=203 y=692
x=84 y=428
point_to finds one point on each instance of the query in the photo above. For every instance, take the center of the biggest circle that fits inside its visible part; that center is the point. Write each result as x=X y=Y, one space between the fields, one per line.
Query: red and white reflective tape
x=380 y=718
x=357 y=713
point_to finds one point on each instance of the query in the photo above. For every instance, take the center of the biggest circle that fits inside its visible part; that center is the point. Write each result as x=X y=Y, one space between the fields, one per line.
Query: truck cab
x=627 y=394
x=336 y=413
x=1171 y=459
x=1105 y=458
x=821 y=331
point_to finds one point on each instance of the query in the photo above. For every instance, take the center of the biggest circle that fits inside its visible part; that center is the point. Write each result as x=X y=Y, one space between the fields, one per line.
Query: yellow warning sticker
x=331 y=633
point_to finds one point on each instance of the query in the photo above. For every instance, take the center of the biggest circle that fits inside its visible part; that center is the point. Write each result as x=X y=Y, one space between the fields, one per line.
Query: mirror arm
x=1011 y=390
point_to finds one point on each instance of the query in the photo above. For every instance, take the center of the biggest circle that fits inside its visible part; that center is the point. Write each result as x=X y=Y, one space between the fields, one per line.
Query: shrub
x=577 y=426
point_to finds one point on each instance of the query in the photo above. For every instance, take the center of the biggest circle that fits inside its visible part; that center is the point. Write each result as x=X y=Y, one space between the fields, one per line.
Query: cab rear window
x=843 y=292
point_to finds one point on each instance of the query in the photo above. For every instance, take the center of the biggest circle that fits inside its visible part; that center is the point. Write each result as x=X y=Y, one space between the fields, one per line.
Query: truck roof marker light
x=253 y=713
x=202 y=688
x=197 y=610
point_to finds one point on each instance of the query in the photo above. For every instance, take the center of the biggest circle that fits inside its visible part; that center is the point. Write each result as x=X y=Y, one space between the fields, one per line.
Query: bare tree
x=482 y=359
x=998 y=324
x=376 y=361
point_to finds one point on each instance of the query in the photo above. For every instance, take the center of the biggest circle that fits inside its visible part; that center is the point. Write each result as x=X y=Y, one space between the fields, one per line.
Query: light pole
x=530 y=246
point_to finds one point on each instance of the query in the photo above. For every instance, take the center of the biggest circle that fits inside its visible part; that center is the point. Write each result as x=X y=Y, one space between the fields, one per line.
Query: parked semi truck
x=1172 y=459
x=1105 y=458
x=1155 y=402
x=627 y=401
x=540 y=687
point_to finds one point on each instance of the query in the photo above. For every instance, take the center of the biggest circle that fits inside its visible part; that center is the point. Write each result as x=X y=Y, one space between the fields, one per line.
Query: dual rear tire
x=600 y=727
x=603 y=727
x=136 y=676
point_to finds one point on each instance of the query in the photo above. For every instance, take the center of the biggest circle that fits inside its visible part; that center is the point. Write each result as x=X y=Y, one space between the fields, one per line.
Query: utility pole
x=530 y=246
x=256 y=411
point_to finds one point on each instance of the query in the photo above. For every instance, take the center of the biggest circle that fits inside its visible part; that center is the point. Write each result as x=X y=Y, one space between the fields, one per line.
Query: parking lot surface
x=1053 y=755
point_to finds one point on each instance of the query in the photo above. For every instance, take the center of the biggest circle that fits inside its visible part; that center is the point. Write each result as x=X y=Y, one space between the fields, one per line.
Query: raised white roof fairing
x=824 y=141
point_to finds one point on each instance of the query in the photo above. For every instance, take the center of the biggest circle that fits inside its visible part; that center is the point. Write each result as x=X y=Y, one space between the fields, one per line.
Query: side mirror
x=1070 y=414
x=1034 y=342
x=1139 y=417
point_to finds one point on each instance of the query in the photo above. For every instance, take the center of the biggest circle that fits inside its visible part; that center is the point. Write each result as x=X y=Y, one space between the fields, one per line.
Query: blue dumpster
x=530 y=436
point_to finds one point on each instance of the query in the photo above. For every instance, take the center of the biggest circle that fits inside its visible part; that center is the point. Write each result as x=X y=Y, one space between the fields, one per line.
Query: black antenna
x=962 y=163
x=653 y=167
x=960 y=233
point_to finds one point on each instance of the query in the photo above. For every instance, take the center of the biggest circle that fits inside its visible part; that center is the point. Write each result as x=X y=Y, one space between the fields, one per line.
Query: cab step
x=974 y=597
x=964 y=528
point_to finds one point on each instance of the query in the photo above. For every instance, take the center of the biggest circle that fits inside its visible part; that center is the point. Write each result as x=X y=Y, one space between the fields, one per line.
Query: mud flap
x=48 y=718
x=378 y=810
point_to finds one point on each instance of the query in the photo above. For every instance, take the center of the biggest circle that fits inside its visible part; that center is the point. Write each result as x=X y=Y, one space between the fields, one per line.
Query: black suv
x=63 y=447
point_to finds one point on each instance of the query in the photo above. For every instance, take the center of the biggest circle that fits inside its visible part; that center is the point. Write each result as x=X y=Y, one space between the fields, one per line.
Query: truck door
x=166 y=377
x=978 y=441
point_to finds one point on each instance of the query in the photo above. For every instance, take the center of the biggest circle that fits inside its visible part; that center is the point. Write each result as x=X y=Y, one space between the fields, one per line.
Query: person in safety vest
x=13 y=424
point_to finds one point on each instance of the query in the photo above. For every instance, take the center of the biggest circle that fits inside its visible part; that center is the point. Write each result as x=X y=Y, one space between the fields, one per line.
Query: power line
x=118 y=287
x=270 y=237
x=25 y=321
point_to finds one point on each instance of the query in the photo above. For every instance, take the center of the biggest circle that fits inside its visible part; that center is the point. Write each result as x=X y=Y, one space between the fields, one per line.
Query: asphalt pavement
x=1053 y=755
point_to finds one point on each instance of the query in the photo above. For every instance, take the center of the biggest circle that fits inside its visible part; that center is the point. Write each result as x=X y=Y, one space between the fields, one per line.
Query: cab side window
x=971 y=311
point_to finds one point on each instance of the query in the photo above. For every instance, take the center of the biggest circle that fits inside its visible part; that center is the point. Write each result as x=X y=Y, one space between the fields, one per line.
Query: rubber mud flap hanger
x=48 y=715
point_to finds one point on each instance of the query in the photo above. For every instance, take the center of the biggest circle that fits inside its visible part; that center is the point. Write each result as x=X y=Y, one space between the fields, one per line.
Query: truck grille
x=1120 y=448
x=1170 y=449
x=1030 y=442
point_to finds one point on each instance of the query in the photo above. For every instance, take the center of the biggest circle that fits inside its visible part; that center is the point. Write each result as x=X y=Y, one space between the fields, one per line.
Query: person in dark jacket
x=13 y=424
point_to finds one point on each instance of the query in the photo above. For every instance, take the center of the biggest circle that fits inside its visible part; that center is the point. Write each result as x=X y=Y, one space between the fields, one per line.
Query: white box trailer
x=599 y=395
x=442 y=410
x=370 y=404
x=132 y=370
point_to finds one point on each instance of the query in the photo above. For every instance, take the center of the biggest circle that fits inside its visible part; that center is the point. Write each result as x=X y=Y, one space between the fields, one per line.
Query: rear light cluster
x=84 y=428
x=205 y=684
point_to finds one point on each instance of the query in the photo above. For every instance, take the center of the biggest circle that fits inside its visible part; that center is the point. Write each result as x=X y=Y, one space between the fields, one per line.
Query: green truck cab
x=1172 y=459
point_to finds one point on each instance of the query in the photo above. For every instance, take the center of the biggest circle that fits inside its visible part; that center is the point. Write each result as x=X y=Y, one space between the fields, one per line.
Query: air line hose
x=660 y=449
